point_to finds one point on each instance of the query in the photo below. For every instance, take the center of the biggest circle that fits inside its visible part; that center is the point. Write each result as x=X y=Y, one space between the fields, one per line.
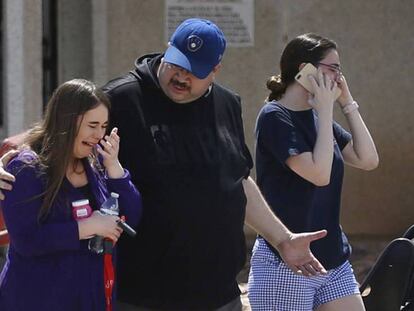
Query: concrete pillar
x=74 y=40
x=22 y=56
x=100 y=41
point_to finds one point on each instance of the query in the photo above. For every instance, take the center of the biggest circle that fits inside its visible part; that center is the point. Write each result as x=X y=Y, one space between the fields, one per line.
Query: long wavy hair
x=53 y=138
x=306 y=48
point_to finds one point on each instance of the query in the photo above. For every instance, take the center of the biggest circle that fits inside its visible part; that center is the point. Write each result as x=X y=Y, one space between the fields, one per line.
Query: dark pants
x=234 y=305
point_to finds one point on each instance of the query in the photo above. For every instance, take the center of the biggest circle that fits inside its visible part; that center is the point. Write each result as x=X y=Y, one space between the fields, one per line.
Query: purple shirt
x=48 y=267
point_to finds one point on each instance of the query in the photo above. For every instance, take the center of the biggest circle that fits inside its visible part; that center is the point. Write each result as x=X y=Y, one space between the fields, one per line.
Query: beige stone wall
x=376 y=45
x=74 y=40
x=134 y=28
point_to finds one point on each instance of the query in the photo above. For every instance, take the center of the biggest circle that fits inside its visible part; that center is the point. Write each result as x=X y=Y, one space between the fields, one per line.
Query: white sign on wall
x=234 y=17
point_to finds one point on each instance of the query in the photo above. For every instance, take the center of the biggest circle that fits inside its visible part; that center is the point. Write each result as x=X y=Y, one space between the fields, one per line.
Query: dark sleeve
x=277 y=134
x=342 y=137
x=21 y=208
x=129 y=198
x=126 y=115
x=245 y=149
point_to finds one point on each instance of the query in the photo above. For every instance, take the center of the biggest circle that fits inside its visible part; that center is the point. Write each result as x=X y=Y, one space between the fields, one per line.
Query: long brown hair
x=306 y=48
x=53 y=138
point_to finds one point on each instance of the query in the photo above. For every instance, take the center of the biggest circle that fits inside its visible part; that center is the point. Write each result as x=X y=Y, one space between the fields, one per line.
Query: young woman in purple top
x=66 y=157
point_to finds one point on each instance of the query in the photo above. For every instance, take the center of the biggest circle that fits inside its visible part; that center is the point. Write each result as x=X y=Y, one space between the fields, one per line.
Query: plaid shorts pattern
x=274 y=287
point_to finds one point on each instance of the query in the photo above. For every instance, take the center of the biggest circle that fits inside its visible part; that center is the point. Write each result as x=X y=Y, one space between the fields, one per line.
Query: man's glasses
x=175 y=67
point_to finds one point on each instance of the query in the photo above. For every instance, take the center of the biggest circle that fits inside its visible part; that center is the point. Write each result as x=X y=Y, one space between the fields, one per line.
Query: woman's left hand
x=345 y=98
x=109 y=152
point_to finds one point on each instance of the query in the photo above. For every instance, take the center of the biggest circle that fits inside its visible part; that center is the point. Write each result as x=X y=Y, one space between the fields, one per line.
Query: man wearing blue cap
x=183 y=143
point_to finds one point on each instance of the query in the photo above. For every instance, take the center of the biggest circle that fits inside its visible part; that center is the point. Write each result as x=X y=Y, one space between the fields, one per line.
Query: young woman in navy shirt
x=300 y=156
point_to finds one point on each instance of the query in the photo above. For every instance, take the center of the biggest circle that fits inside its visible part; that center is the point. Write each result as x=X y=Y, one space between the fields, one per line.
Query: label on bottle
x=81 y=209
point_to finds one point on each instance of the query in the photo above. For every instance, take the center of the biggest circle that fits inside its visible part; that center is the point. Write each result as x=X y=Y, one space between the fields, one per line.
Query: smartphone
x=302 y=78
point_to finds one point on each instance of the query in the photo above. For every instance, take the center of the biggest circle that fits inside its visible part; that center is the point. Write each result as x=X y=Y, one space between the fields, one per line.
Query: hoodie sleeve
x=130 y=203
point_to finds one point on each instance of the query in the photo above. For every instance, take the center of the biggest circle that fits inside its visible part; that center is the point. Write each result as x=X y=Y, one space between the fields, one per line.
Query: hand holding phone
x=302 y=78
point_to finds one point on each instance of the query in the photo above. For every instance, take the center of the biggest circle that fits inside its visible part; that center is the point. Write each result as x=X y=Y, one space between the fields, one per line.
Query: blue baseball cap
x=197 y=45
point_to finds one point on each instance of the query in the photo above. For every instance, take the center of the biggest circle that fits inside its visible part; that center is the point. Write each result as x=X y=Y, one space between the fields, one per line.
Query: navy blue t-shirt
x=301 y=205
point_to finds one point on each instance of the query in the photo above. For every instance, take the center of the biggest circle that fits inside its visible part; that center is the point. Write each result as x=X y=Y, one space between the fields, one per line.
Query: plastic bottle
x=109 y=207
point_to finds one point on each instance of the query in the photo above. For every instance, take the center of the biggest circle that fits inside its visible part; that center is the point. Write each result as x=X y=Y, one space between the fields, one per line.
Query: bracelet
x=350 y=107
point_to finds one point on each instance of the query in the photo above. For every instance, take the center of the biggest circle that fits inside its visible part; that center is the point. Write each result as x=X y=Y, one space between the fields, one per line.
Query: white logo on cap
x=194 y=43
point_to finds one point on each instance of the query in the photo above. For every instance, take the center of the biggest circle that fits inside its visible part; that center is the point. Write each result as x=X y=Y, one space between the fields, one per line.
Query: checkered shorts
x=273 y=286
